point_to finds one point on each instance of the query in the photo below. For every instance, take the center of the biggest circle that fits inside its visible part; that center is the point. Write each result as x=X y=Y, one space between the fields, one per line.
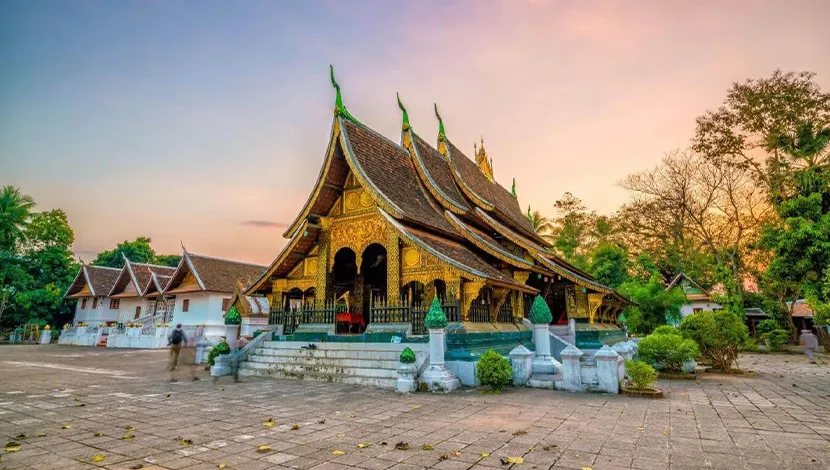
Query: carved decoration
x=499 y=297
x=311 y=266
x=411 y=257
x=471 y=290
x=594 y=302
x=570 y=301
x=322 y=273
x=393 y=265
x=357 y=233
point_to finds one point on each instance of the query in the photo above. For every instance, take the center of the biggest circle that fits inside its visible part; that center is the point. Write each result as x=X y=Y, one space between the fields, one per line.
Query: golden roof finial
x=484 y=163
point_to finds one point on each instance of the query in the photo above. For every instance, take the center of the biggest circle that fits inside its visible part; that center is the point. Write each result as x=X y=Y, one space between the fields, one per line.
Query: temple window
x=114 y=304
x=225 y=303
x=185 y=305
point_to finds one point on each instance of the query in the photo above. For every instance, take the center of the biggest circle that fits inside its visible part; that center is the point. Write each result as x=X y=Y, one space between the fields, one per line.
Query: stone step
x=380 y=382
x=356 y=346
x=326 y=361
x=329 y=353
x=332 y=369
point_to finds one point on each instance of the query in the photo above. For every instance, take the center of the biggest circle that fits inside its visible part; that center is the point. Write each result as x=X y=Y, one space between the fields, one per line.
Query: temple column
x=518 y=296
x=393 y=267
x=594 y=302
x=322 y=286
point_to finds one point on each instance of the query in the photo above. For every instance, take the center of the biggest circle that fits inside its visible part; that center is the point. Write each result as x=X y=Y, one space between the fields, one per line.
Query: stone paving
x=76 y=403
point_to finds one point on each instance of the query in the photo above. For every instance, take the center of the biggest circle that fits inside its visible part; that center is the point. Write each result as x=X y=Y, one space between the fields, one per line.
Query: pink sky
x=569 y=96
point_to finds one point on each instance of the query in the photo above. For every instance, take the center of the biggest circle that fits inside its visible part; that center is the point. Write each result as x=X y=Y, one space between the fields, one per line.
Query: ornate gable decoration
x=484 y=164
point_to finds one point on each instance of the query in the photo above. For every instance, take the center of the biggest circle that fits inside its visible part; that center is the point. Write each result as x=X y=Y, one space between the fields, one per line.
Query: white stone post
x=608 y=371
x=571 y=369
x=521 y=358
x=437 y=376
x=543 y=363
x=45 y=336
x=406 y=378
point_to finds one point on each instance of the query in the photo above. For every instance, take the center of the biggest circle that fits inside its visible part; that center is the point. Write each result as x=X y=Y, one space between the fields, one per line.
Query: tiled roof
x=503 y=203
x=439 y=174
x=221 y=275
x=293 y=251
x=144 y=273
x=390 y=170
x=488 y=244
x=99 y=278
x=801 y=309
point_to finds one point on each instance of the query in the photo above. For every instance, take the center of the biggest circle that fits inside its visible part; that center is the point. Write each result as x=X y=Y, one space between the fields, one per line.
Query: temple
x=388 y=226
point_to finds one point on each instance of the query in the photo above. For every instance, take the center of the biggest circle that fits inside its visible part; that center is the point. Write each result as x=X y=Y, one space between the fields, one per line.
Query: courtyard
x=74 y=404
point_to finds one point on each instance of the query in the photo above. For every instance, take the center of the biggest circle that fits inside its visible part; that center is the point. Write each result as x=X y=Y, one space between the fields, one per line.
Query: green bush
x=767 y=326
x=666 y=330
x=641 y=374
x=494 y=370
x=221 y=348
x=408 y=356
x=776 y=339
x=720 y=336
x=666 y=352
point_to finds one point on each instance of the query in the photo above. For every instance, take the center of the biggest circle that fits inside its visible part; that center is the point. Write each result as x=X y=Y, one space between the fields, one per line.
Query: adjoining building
x=138 y=293
x=91 y=287
x=698 y=299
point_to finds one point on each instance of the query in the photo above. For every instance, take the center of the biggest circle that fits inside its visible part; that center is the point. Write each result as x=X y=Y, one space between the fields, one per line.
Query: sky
x=205 y=122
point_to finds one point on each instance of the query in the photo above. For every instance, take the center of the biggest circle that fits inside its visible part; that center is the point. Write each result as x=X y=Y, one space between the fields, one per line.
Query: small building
x=203 y=287
x=802 y=314
x=698 y=299
x=91 y=287
x=136 y=293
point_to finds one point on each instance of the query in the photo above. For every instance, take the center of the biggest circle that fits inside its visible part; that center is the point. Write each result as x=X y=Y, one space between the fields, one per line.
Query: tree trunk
x=824 y=338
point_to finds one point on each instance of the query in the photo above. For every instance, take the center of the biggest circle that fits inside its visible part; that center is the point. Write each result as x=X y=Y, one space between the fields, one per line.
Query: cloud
x=264 y=224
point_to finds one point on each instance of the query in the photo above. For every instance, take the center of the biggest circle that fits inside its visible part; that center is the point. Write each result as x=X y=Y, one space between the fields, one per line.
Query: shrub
x=494 y=370
x=666 y=352
x=641 y=374
x=719 y=335
x=221 y=348
x=666 y=330
x=540 y=313
x=767 y=326
x=408 y=356
x=776 y=339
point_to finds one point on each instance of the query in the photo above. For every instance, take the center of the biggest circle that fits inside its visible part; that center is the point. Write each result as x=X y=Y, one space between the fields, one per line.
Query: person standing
x=175 y=340
x=810 y=342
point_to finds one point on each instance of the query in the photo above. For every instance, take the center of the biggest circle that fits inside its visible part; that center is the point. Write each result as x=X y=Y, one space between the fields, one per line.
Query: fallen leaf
x=77 y=399
x=137 y=466
x=531 y=448
x=222 y=389
x=520 y=433
x=98 y=434
x=383 y=443
x=350 y=416
x=66 y=426
x=263 y=449
x=186 y=442
x=364 y=445
x=126 y=436
x=340 y=436
x=484 y=455
x=402 y=446
x=62 y=389
x=549 y=448
x=641 y=429
x=322 y=421
x=509 y=460
x=270 y=423
x=667 y=433
x=168 y=395
x=587 y=468
x=80 y=405
x=129 y=428
x=295 y=427
x=222 y=465
x=13 y=446
x=338 y=452
x=41 y=434
x=98 y=458
x=20 y=437
x=415 y=407
x=428 y=447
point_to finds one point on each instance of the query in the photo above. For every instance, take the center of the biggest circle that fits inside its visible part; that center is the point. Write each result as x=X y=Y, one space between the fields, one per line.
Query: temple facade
x=389 y=225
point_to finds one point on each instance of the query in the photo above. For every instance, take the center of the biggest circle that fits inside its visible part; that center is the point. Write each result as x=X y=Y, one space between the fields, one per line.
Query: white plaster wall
x=93 y=316
x=126 y=309
x=689 y=308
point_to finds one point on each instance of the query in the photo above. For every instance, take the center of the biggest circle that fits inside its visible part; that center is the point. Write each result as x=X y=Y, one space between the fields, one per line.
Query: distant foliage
x=776 y=339
x=494 y=371
x=641 y=374
x=720 y=336
x=666 y=330
x=666 y=352
x=137 y=251
x=654 y=304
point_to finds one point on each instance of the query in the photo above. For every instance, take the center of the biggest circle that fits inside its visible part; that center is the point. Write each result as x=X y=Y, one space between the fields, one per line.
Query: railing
x=415 y=313
x=291 y=319
x=505 y=313
x=479 y=313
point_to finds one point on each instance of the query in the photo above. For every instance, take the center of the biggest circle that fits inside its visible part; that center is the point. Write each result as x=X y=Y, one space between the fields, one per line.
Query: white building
x=698 y=299
x=91 y=287
x=203 y=287
x=137 y=292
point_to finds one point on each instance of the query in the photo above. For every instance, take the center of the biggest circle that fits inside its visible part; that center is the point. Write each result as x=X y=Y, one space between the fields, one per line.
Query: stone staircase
x=370 y=364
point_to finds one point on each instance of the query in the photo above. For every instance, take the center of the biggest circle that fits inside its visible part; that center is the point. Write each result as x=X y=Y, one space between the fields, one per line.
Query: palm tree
x=541 y=225
x=808 y=155
x=15 y=212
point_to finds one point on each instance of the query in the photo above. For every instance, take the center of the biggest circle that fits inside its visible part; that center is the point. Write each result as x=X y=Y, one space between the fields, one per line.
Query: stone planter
x=406 y=378
x=221 y=365
x=648 y=393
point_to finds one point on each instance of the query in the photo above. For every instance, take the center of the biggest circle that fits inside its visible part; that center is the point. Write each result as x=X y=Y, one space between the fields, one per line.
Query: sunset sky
x=206 y=122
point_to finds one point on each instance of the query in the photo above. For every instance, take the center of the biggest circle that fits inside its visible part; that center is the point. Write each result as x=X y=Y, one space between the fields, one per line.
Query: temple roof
x=293 y=251
x=434 y=169
x=489 y=245
x=487 y=194
x=140 y=275
x=213 y=274
x=455 y=254
x=98 y=280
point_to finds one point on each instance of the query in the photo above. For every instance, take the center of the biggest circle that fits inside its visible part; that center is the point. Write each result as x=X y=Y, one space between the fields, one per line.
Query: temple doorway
x=373 y=272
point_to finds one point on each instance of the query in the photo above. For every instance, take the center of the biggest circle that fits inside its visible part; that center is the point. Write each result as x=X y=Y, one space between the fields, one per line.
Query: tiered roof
x=139 y=279
x=92 y=281
x=437 y=199
x=211 y=274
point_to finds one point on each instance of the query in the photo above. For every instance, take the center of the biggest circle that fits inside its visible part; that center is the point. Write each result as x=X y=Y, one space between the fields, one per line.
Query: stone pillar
x=608 y=369
x=571 y=369
x=321 y=288
x=406 y=378
x=437 y=377
x=45 y=336
x=393 y=266
x=544 y=366
x=520 y=359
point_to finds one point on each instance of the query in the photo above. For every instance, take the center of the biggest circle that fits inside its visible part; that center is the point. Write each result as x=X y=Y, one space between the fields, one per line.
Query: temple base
x=440 y=379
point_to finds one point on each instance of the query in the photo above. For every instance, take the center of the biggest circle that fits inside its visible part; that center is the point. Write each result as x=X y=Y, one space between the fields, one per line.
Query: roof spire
x=529 y=215
x=442 y=134
x=484 y=163
x=513 y=189
x=339 y=107
x=405 y=126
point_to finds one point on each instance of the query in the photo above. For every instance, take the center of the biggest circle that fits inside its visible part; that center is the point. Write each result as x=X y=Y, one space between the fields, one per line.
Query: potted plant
x=218 y=358
x=407 y=371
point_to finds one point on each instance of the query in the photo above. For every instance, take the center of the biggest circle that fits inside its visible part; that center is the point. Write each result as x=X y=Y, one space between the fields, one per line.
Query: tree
x=15 y=212
x=609 y=265
x=137 y=251
x=570 y=229
x=541 y=224
x=167 y=260
x=747 y=130
x=654 y=304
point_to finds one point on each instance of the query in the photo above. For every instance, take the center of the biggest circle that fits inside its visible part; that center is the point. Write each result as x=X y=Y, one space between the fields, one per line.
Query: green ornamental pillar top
x=435 y=319
x=233 y=317
x=540 y=312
